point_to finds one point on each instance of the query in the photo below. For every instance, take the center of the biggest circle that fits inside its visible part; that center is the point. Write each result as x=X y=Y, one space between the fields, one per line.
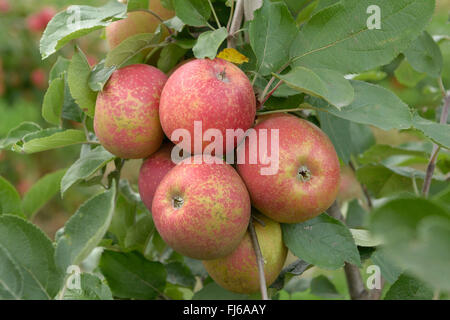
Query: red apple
x=349 y=188
x=202 y=209
x=4 y=6
x=238 y=272
x=215 y=92
x=39 y=78
x=38 y=22
x=307 y=180
x=152 y=171
x=126 y=116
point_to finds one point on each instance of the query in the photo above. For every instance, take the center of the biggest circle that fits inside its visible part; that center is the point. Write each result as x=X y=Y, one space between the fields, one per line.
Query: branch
x=235 y=23
x=354 y=280
x=259 y=261
x=432 y=162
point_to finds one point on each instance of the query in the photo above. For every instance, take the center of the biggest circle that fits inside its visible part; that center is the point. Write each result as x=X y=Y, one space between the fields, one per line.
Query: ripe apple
x=238 y=272
x=38 y=78
x=126 y=114
x=202 y=210
x=4 y=6
x=349 y=188
x=137 y=22
x=38 y=22
x=307 y=180
x=152 y=171
x=215 y=92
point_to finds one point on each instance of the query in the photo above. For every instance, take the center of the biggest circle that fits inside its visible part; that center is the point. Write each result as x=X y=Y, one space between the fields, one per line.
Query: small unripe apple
x=126 y=117
x=214 y=92
x=238 y=272
x=201 y=209
x=307 y=180
x=153 y=170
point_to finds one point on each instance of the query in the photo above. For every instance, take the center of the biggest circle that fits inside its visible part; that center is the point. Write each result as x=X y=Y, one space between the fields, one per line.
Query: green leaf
x=389 y=270
x=99 y=76
x=357 y=216
x=70 y=110
x=424 y=55
x=88 y=164
x=385 y=180
x=438 y=133
x=17 y=133
x=407 y=76
x=338 y=37
x=9 y=198
x=123 y=219
x=364 y=238
x=212 y=291
x=409 y=288
x=169 y=57
x=85 y=229
x=78 y=76
x=323 y=83
x=92 y=288
x=209 y=42
x=175 y=23
x=322 y=241
x=373 y=105
x=29 y=252
x=53 y=102
x=416 y=234
x=139 y=234
x=59 y=68
x=380 y=152
x=131 y=46
x=48 y=139
x=41 y=192
x=296 y=268
x=322 y=286
x=131 y=276
x=180 y=274
x=271 y=33
x=77 y=21
x=193 y=12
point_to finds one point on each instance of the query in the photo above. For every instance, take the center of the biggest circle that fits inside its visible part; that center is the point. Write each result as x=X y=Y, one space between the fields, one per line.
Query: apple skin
x=38 y=78
x=285 y=196
x=4 y=6
x=38 y=22
x=137 y=22
x=238 y=272
x=126 y=117
x=196 y=92
x=349 y=188
x=213 y=209
x=153 y=170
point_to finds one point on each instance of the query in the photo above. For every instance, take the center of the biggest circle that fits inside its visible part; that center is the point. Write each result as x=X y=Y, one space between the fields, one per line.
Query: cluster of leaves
x=318 y=59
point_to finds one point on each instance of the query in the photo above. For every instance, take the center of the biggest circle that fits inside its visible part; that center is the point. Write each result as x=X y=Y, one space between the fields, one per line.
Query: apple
x=126 y=119
x=153 y=170
x=202 y=208
x=38 y=78
x=307 y=180
x=215 y=92
x=238 y=272
x=137 y=22
x=4 y=6
x=38 y=22
x=349 y=187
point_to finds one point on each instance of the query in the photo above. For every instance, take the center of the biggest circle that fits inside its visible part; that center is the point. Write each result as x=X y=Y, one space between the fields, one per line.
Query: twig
x=236 y=22
x=355 y=282
x=260 y=221
x=270 y=94
x=259 y=261
x=156 y=16
x=215 y=15
x=269 y=84
x=231 y=17
x=432 y=162
x=278 y=111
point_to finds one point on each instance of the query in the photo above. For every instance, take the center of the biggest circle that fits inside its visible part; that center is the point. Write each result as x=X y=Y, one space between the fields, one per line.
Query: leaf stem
x=156 y=16
x=215 y=15
x=270 y=94
x=259 y=261
x=231 y=17
x=432 y=162
x=278 y=111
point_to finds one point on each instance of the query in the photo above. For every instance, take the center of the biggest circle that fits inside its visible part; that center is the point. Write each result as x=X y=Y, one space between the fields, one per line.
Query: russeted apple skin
x=201 y=210
x=153 y=170
x=126 y=119
x=137 y=22
x=284 y=196
x=215 y=92
x=238 y=272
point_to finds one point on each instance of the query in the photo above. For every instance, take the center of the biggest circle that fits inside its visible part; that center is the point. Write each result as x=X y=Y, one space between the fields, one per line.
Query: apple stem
x=258 y=220
x=259 y=261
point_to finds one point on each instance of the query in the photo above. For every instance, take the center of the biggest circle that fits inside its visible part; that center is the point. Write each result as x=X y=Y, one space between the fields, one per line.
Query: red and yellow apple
x=153 y=170
x=215 y=92
x=238 y=272
x=202 y=209
x=307 y=180
x=126 y=119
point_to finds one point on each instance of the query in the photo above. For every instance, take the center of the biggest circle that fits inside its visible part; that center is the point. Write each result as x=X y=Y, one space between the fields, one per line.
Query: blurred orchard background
x=24 y=80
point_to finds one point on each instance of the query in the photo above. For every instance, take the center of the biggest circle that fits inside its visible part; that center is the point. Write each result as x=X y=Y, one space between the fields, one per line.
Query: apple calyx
x=177 y=202
x=304 y=174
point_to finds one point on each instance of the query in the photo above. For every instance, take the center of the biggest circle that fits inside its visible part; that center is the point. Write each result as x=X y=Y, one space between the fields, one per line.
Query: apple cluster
x=201 y=207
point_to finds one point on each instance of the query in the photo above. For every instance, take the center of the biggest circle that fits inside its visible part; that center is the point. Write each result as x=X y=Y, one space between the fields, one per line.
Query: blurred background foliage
x=24 y=79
